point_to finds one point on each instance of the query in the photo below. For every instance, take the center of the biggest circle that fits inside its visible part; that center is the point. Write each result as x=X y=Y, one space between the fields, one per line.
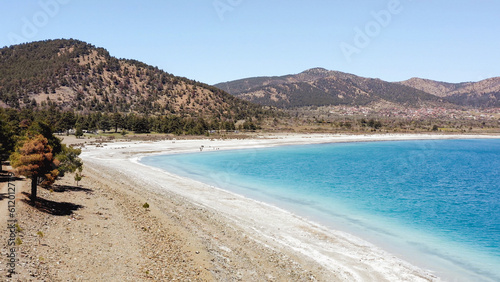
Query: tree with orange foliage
x=33 y=158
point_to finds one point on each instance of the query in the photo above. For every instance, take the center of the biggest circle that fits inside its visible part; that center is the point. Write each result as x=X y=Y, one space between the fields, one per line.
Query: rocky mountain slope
x=321 y=87
x=484 y=93
x=72 y=74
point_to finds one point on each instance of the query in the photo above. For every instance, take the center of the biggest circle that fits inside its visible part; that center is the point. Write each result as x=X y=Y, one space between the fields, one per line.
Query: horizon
x=225 y=40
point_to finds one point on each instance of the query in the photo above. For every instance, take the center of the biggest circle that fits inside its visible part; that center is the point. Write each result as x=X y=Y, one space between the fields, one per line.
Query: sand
x=191 y=231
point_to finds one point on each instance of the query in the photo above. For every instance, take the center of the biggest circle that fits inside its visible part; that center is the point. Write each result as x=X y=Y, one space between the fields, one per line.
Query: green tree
x=69 y=160
x=66 y=121
x=104 y=124
x=78 y=176
x=78 y=131
x=7 y=140
x=141 y=125
x=249 y=125
x=228 y=126
x=375 y=124
x=117 y=121
x=172 y=124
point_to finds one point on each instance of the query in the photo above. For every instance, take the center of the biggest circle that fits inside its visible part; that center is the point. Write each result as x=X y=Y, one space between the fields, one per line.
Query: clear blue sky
x=219 y=40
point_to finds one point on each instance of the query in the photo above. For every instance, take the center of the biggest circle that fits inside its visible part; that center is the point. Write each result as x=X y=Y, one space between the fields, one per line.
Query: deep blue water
x=436 y=203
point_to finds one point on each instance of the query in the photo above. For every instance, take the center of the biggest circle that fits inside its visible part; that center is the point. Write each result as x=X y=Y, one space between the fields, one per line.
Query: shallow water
x=435 y=203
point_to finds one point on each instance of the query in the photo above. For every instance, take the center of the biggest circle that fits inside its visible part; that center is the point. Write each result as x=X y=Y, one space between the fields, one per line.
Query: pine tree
x=33 y=158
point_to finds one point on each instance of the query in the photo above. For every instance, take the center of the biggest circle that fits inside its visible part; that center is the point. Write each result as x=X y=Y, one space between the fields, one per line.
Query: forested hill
x=320 y=87
x=74 y=75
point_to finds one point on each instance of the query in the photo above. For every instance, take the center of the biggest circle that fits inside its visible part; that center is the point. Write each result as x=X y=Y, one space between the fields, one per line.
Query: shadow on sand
x=51 y=207
x=3 y=196
x=68 y=188
x=5 y=177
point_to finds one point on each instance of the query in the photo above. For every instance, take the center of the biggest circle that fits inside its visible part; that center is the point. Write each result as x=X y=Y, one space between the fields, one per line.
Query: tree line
x=62 y=121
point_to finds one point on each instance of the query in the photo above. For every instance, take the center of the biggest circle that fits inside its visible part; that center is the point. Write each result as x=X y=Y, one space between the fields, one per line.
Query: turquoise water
x=435 y=203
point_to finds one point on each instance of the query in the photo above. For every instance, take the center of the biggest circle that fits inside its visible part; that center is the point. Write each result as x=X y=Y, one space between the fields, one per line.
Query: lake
x=434 y=203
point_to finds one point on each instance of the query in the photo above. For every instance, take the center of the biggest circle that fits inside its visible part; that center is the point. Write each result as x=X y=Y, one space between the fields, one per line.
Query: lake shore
x=288 y=233
x=196 y=231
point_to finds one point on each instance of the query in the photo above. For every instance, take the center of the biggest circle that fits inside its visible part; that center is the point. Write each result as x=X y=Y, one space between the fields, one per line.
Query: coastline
x=333 y=254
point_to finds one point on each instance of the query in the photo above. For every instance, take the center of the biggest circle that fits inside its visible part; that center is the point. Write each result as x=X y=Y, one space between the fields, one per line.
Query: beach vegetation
x=78 y=176
x=69 y=160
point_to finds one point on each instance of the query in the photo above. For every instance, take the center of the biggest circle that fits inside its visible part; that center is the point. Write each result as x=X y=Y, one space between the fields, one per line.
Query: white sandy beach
x=329 y=254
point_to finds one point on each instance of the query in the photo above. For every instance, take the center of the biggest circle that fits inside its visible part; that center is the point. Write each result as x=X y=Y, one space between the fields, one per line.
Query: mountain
x=320 y=87
x=244 y=85
x=484 y=93
x=74 y=75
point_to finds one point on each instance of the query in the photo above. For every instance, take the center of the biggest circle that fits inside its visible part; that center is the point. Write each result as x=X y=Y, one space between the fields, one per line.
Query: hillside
x=484 y=93
x=74 y=75
x=320 y=87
